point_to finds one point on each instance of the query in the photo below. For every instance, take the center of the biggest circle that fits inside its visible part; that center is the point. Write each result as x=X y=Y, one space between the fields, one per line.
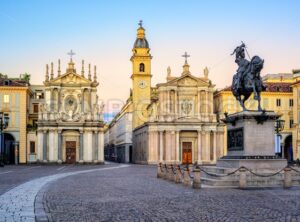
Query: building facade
x=14 y=99
x=118 y=136
x=174 y=121
x=70 y=126
x=36 y=99
x=296 y=114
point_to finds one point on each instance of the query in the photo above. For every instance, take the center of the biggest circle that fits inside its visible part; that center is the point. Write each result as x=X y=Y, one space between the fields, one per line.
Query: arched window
x=142 y=67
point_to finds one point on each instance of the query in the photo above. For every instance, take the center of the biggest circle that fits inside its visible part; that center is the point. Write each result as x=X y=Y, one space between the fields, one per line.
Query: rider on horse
x=242 y=63
x=247 y=78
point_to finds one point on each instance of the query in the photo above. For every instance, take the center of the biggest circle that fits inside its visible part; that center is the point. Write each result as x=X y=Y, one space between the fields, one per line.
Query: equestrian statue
x=247 y=78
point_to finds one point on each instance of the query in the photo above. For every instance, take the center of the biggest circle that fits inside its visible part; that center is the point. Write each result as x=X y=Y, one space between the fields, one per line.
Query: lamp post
x=4 y=119
x=279 y=126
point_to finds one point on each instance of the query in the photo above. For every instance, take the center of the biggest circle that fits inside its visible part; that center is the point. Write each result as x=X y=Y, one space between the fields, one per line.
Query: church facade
x=70 y=126
x=174 y=121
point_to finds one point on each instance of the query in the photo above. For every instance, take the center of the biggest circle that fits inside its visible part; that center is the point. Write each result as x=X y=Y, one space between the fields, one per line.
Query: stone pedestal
x=250 y=141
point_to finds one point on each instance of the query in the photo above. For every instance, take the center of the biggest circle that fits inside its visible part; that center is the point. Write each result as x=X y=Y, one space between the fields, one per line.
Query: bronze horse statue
x=247 y=79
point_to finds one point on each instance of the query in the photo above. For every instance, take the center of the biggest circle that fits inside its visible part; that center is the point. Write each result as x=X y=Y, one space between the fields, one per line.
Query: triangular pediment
x=70 y=78
x=187 y=80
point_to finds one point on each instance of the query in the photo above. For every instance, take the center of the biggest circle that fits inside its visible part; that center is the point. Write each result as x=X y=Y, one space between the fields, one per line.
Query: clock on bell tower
x=141 y=77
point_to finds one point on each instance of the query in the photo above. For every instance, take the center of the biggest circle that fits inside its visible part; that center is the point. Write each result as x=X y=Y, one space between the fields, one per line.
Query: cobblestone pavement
x=18 y=204
x=135 y=194
x=12 y=175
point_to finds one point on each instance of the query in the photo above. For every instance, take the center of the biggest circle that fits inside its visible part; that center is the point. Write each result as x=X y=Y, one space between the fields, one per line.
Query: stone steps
x=221 y=181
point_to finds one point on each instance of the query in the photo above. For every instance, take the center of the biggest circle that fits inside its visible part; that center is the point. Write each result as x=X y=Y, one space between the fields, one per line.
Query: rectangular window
x=291 y=102
x=39 y=95
x=278 y=102
x=32 y=147
x=36 y=108
x=34 y=124
x=6 y=98
x=291 y=123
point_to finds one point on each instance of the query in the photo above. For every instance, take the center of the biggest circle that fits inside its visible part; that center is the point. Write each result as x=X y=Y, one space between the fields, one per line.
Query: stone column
x=178 y=146
x=40 y=145
x=199 y=103
x=51 y=145
x=175 y=104
x=59 y=100
x=59 y=148
x=81 y=147
x=161 y=144
x=45 y=138
x=95 y=146
x=88 y=151
x=206 y=102
x=51 y=101
x=101 y=146
x=199 y=147
x=168 y=102
x=90 y=100
x=82 y=101
x=167 y=146
x=215 y=146
x=211 y=102
x=207 y=146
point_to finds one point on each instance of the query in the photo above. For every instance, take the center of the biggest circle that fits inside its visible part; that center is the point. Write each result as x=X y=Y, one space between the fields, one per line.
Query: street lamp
x=279 y=126
x=4 y=120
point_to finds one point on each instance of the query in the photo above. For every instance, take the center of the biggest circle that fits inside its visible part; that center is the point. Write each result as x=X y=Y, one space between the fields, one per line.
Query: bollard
x=186 y=177
x=159 y=173
x=178 y=175
x=243 y=178
x=172 y=176
x=287 y=182
x=170 y=172
x=197 y=179
x=165 y=175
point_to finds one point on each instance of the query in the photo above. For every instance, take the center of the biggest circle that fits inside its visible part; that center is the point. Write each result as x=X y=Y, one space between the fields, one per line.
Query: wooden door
x=187 y=153
x=70 y=152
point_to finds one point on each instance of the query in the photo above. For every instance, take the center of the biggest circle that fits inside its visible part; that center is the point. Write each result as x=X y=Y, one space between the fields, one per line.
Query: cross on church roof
x=71 y=53
x=141 y=23
x=185 y=55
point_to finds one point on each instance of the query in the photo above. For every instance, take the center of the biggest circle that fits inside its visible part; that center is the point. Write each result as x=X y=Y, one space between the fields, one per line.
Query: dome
x=141 y=43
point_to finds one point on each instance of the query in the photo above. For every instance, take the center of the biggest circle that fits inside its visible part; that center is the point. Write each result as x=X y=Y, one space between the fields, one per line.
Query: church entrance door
x=70 y=152
x=186 y=152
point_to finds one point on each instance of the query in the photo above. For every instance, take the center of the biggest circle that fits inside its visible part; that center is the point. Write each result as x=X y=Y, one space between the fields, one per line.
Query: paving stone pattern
x=17 y=204
x=135 y=194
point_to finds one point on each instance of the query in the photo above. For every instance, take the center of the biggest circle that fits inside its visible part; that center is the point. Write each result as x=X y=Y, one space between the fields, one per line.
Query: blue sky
x=36 y=32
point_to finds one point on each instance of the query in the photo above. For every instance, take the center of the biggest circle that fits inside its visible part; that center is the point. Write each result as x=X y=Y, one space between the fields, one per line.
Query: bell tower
x=141 y=77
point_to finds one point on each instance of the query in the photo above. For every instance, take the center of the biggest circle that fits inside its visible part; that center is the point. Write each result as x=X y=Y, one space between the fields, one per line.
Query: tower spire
x=89 y=76
x=95 y=74
x=82 y=69
x=52 y=74
x=47 y=73
x=59 y=72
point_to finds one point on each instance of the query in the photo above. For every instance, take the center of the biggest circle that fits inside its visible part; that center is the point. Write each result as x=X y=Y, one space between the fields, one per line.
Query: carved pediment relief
x=187 y=81
x=70 y=78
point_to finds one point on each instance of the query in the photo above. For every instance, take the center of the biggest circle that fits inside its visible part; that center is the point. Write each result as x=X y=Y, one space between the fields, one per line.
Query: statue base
x=250 y=141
